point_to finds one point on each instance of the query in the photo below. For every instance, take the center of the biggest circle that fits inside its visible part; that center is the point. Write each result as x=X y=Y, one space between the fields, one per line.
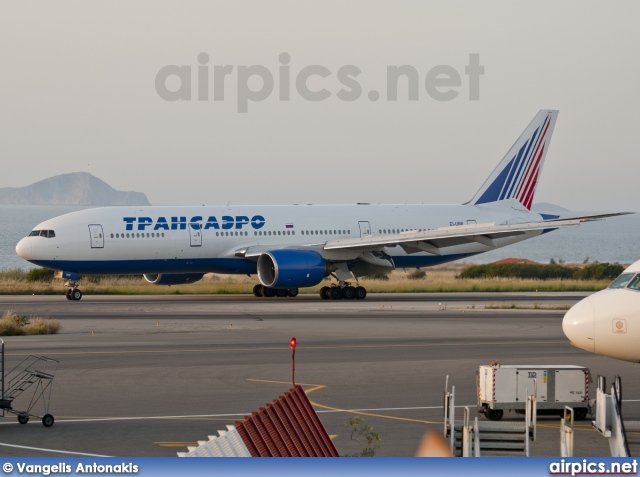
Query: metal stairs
x=34 y=374
x=488 y=438
x=26 y=374
x=495 y=439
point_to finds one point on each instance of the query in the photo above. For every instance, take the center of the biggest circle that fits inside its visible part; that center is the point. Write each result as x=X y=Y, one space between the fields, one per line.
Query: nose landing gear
x=73 y=292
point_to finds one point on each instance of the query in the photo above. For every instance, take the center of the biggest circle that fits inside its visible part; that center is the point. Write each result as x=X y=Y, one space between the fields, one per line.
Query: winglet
x=516 y=177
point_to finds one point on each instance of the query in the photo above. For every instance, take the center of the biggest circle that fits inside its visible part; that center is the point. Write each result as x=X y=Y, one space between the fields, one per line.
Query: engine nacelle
x=291 y=268
x=172 y=278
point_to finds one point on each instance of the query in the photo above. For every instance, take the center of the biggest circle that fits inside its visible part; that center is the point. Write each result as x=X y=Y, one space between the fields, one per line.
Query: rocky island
x=76 y=188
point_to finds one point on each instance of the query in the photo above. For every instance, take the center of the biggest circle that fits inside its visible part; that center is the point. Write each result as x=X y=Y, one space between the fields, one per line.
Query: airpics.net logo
x=256 y=83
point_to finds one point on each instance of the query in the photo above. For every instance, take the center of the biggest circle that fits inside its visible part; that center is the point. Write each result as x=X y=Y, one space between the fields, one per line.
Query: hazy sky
x=77 y=93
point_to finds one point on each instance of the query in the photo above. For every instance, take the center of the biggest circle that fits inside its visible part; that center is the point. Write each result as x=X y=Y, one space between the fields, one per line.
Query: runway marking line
x=51 y=450
x=221 y=350
x=336 y=409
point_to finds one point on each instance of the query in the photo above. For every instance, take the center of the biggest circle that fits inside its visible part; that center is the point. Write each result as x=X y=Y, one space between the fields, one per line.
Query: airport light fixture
x=293 y=342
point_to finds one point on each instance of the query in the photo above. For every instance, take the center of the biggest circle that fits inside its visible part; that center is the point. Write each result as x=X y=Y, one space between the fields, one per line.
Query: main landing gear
x=343 y=292
x=267 y=292
x=73 y=292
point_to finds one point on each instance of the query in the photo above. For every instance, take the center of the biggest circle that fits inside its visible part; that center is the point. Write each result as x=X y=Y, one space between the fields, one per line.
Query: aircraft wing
x=433 y=240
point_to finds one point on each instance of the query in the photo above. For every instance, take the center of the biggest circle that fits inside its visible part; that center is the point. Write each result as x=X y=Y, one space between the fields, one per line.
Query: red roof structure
x=289 y=427
x=517 y=260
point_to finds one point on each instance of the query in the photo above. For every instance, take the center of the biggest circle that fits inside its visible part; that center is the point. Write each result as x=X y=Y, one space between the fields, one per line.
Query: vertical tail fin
x=516 y=177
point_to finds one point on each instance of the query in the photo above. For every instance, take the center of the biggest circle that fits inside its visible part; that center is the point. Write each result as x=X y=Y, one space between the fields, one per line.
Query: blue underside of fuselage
x=205 y=265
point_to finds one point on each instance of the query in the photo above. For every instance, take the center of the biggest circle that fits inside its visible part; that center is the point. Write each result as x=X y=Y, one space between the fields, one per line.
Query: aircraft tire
x=23 y=418
x=293 y=292
x=257 y=290
x=68 y=294
x=76 y=294
x=361 y=293
x=47 y=420
x=325 y=293
x=282 y=292
x=348 y=293
x=268 y=292
x=336 y=293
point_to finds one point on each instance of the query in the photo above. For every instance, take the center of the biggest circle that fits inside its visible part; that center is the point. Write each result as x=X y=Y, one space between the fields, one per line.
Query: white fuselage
x=608 y=322
x=122 y=240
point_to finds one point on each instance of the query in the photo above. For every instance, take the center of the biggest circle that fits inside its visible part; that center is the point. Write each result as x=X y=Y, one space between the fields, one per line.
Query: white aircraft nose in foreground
x=291 y=247
x=608 y=322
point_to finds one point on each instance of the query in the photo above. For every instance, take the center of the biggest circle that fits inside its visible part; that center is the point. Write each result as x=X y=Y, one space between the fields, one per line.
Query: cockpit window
x=42 y=233
x=635 y=283
x=622 y=280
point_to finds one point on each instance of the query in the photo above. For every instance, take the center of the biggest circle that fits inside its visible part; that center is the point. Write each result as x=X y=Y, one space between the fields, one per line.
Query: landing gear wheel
x=336 y=293
x=68 y=293
x=257 y=290
x=268 y=292
x=361 y=293
x=23 y=418
x=348 y=293
x=325 y=293
x=282 y=292
x=47 y=420
x=493 y=414
x=76 y=294
x=293 y=292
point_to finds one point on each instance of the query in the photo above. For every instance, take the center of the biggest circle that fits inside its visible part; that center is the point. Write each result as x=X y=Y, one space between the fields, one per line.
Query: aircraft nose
x=23 y=249
x=579 y=325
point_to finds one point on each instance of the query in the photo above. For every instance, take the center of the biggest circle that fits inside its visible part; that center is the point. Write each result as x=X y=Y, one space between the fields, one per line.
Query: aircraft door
x=365 y=229
x=195 y=232
x=97 y=237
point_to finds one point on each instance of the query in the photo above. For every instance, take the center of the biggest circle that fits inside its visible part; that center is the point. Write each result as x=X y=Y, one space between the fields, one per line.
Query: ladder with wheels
x=34 y=375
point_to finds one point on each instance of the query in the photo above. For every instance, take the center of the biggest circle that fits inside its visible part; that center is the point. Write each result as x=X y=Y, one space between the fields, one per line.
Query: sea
x=616 y=239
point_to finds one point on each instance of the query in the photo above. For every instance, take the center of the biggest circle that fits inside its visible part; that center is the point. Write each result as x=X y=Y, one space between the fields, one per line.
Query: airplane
x=607 y=322
x=295 y=246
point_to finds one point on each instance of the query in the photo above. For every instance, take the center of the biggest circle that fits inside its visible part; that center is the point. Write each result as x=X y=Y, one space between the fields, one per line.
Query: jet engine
x=291 y=268
x=172 y=278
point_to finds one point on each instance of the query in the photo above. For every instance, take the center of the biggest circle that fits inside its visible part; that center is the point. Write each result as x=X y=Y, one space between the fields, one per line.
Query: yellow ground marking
x=321 y=386
x=175 y=444
x=222 y=350
x=358 y=413
x=333 y=436
x=306 y=391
